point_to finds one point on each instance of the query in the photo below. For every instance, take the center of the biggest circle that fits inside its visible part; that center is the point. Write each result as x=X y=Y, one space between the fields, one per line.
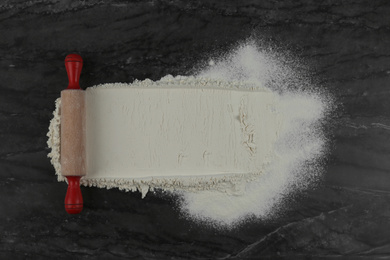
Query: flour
x=301 y=145
x=178 y=134
x=287 y=159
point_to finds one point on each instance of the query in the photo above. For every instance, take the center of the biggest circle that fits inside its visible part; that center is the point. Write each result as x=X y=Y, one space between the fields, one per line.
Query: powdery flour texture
x=232 y=141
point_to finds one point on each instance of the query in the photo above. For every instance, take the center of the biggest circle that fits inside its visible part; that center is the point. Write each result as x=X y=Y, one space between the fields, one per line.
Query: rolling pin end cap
x=74 y=198
x=73 y=58
x=72 y=210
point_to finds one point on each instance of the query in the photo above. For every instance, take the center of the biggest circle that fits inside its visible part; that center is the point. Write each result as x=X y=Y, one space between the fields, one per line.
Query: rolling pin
x=72 y=153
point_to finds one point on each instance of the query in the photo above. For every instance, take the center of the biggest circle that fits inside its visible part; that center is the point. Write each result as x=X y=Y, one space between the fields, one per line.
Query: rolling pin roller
x=73 y=164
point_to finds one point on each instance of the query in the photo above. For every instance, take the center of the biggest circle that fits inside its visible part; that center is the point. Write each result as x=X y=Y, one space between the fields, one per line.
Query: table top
x=345 y=47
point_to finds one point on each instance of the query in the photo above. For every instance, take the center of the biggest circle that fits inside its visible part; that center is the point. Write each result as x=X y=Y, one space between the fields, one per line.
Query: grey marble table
x=347 y=45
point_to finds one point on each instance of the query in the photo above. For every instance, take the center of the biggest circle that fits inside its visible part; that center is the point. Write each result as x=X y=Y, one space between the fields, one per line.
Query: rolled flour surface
x=176 y=133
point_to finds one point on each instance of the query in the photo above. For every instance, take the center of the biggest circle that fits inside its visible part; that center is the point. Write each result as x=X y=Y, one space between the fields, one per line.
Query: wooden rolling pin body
x=73 y=132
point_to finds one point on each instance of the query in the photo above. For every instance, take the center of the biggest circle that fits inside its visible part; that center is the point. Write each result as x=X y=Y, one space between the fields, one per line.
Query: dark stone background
x=347 y=44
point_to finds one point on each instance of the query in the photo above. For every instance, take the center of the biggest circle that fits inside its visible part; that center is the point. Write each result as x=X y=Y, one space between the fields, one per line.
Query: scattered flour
x=300 y=146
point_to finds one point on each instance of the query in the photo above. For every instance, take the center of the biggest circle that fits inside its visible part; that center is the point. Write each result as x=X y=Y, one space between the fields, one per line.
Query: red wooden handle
x=73 y=64
x=73 y=198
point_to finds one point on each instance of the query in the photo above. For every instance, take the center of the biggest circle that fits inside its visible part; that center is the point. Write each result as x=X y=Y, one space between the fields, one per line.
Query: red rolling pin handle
x=73 y=198
x=73 y=64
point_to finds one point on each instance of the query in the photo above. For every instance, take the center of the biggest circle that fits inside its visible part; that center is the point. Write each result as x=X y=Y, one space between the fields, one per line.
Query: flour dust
x=301 y=146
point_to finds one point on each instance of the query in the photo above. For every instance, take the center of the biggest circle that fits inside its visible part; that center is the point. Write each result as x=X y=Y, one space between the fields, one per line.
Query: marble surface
x=346 y=44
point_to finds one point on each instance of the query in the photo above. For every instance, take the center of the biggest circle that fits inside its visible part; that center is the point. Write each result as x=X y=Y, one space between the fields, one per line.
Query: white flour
x=301 y=146
x=297 y=151
x=180 y=133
